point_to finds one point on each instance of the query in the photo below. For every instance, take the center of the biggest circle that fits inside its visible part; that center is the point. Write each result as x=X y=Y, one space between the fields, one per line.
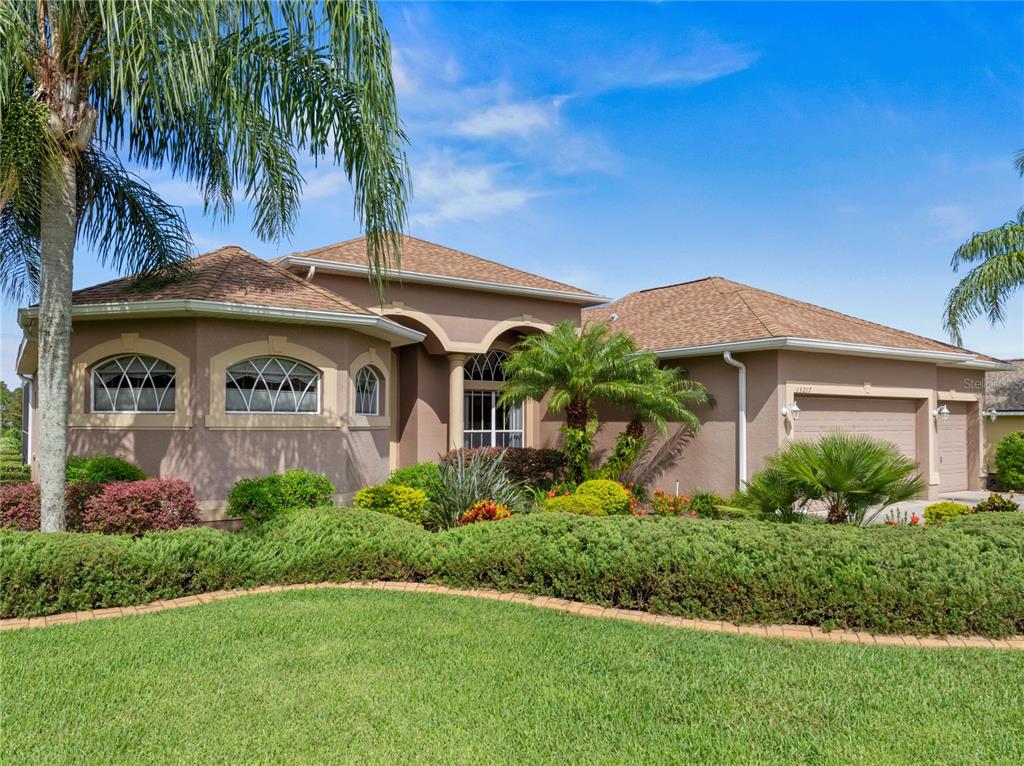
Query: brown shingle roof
x=422 y=257
x=716 y=310
x=1004 y=390
x=227 y=275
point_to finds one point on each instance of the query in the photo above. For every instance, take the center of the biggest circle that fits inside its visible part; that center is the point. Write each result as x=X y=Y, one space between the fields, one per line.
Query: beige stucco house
x=249 y=367
x=1004 y=406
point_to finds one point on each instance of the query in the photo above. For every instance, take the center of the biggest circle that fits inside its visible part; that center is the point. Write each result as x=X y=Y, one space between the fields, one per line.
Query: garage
x=952 y=448
x=893 y=420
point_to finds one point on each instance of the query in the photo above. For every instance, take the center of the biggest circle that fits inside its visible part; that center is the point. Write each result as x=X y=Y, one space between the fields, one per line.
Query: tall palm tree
x=668 y=397
x=224 y=94
x=986 y=287
x=579 y=368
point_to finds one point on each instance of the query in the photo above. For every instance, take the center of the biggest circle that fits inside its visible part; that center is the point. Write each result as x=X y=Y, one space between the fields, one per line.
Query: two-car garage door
x=894 y=420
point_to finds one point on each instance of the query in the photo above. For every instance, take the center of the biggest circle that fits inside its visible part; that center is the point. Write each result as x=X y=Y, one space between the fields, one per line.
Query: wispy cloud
x=706 y=59
x=324 y=183
x=176 y=191
x=952 y=221
x=522 y=120
x=449 y=191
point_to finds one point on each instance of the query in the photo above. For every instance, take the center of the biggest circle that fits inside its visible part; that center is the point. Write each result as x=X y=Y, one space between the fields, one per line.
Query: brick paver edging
x=795 y=632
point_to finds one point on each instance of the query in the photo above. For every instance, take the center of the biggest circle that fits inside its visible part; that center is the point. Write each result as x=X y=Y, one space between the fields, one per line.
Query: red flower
x=915 y=519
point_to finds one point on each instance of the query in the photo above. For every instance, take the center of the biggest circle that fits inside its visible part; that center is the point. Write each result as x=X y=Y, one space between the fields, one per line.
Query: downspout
x=742 y=417
x=26 y=418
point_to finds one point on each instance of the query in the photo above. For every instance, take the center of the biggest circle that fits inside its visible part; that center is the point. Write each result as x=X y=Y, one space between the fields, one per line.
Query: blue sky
x=833 y=153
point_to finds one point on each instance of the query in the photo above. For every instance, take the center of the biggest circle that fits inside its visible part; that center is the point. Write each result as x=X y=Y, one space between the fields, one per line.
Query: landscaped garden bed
x=963 y=578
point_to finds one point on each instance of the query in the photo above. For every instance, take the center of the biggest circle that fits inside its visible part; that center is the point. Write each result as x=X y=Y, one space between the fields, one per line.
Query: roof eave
x=351 y=269
x=943 y=358
x=370 y=324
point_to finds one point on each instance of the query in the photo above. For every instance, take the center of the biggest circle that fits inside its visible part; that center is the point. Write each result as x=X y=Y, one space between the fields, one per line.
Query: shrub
x=1010 y=461
x=961 y=578
x=613 y=496
x=940 y=513
x=102 y=469
x=485 y=510
x=19 y=505
x=665 y=504
x=134 y=507
x=419 y=476
x=260 y=499
x=705 y=504
x=996 y=504
x=12 y=466
x=526 y=465
x=466 y=480
x=406 y=503
x=588 y=505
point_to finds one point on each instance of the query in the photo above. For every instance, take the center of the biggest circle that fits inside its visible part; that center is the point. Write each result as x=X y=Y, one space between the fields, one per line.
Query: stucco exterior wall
x=1004 y=425
x=212 y=450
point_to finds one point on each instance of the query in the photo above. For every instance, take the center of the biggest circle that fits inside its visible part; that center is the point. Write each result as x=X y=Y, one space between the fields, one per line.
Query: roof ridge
x=739 y=294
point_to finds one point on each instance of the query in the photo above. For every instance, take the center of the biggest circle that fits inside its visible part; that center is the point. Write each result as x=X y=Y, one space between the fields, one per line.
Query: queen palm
x=225 y=95
x=999 y=255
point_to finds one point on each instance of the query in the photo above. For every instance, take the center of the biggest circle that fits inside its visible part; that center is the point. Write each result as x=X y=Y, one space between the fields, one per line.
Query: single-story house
x=250 y=366
x=1004 y=406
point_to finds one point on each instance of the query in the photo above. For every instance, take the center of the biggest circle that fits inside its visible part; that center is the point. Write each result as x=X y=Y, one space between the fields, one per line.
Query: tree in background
x=999 y=255
x=225 y=95
x=10 y=412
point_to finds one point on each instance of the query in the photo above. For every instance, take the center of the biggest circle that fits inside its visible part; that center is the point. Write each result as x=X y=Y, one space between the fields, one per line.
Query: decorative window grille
x=133 y=383
x=272 y=384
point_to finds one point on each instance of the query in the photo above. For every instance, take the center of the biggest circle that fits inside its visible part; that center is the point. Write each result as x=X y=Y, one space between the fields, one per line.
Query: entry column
x=456 y=378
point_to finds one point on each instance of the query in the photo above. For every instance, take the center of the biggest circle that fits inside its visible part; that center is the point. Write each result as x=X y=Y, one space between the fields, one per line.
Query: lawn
x=381 y=677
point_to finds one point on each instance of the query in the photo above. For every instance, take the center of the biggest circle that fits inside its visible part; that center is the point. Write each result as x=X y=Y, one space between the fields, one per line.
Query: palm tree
x=846 y=472
x=986 y=287
x=579 y=368
x=668 y=397
x=225 y=95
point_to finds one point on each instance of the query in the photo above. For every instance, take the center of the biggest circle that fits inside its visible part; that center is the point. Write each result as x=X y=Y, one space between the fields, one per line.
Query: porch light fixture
x=941 y=411
x=792 y=411
x=991 y=413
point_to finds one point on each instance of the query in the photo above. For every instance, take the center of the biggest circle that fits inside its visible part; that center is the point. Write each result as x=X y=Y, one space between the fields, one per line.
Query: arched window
x=133 y=383
x=486 y=423
x=367 y=392
x=487 y=367
x=272 y=384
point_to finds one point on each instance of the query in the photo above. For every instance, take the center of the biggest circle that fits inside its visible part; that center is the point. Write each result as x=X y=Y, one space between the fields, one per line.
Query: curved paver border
x=794 y=632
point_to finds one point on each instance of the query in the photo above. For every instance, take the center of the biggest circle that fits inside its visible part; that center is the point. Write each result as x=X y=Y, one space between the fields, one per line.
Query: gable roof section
x=677 y=320
x=232 y=282
x=426 y=262
x=1004 y=390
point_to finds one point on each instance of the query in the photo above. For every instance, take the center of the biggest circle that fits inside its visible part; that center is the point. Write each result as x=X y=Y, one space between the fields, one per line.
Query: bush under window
x=260 y=499
x=102 y=469
x=406 y=503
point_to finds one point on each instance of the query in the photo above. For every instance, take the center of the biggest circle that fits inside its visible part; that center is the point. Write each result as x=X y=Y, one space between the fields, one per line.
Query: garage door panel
x=891 y=420
x=952 y=444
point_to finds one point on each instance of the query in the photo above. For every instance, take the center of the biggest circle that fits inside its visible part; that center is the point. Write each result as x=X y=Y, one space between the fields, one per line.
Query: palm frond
x=19 y=253
x=986 y=288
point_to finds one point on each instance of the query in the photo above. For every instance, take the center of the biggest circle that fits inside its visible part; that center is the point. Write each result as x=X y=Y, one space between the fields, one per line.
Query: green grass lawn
x=381 y=677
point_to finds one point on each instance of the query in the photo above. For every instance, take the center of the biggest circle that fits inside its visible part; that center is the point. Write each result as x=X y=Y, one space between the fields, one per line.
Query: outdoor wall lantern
x=991 y=414
x=792 y=411
x=941 y=411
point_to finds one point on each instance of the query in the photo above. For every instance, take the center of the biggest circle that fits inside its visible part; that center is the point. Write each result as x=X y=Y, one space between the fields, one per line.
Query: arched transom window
x=133 y=383
x=368 y=391
x=487 y=367
x=272 y=384
x=486 y=423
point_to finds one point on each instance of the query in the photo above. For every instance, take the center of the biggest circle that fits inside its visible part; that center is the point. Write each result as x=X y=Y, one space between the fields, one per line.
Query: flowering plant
x=665 y=504
x=484 y=510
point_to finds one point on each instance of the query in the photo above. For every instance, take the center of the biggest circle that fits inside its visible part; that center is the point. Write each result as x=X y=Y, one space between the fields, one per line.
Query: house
x=248 y=367
x=1004 y=405
x=782 y=369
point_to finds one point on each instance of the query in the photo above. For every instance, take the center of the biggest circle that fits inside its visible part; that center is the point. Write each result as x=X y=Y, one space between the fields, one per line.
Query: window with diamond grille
x=367 y=392
x=133 y=383
x=272 y=384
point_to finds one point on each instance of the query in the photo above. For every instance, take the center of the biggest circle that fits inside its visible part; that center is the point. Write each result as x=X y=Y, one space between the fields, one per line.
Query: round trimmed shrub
x=260 y=499
x=135 y=507
x=406 y=503
x=1010 y=461
x=422 y=476
x=940 y=513
x=102 y=469
x=613 y=496
x=588 y=505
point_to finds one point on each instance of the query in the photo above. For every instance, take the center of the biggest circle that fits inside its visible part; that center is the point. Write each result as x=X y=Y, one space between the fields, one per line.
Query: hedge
x=951 y=579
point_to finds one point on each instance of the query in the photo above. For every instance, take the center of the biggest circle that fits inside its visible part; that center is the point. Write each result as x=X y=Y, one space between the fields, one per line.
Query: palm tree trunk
x=577 y=414
x=57 y=226
x=836 y=513
x=635 y=429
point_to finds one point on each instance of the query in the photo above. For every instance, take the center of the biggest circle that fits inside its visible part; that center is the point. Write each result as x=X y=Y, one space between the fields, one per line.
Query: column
x=456 y=378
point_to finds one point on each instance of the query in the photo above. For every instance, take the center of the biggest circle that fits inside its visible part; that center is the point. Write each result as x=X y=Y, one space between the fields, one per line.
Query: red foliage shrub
x=484 y=510
x=19 y=506
x=134 y=507
x=527 y=465
x=75 y=497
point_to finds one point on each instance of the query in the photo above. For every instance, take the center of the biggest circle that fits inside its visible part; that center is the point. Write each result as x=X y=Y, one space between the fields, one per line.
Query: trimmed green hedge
x=954 y=579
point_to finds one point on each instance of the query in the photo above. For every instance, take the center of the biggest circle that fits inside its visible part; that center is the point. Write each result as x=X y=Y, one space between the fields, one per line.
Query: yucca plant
x=846 y=472
x=462 y=482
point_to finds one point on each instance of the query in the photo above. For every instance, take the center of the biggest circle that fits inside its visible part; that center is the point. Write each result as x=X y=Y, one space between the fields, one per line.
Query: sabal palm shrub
x=227 y=96
x=845 y=472
x=463 y=481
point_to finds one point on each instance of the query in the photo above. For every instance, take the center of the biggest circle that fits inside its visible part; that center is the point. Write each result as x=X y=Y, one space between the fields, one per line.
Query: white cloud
x=447 y=191
x=706 y=60
x=321 y=184
x=522 y=120
x=176 y=191
x=952 y=221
